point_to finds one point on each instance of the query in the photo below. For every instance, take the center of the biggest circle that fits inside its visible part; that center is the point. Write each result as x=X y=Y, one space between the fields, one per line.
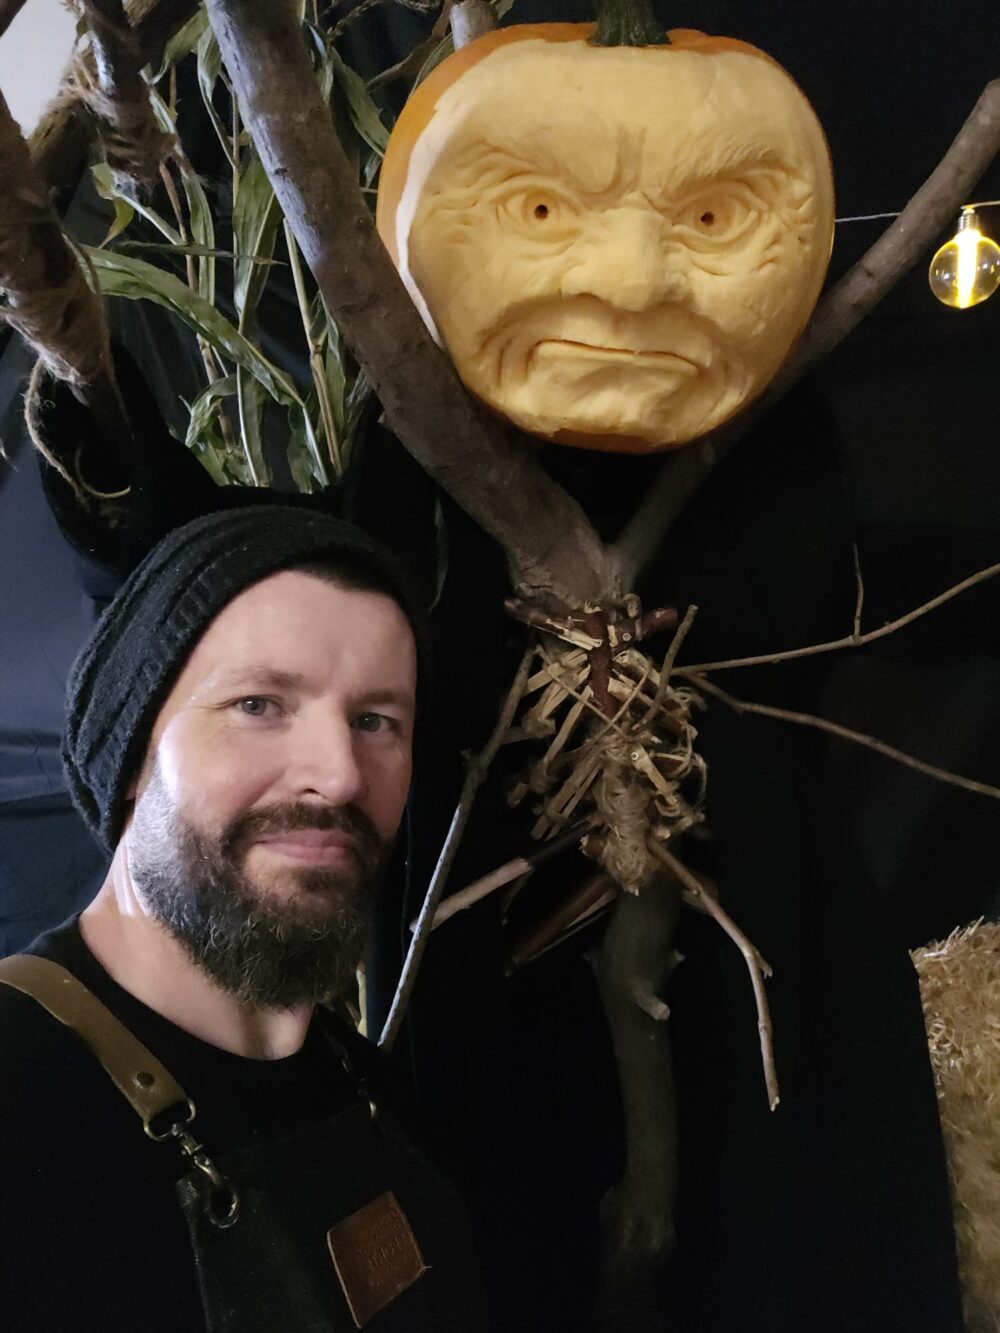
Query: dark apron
x=341 y=1225
x=395 y=1222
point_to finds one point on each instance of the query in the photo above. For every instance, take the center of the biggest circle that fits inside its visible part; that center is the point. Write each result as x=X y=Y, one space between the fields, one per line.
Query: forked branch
x=902 y=245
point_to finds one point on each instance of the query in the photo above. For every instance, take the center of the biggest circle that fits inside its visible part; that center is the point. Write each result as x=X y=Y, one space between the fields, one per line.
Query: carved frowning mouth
x=627 y=356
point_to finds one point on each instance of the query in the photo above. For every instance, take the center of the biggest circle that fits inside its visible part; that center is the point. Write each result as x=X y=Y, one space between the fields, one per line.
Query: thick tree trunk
x=551 y=546
x=637 y=1215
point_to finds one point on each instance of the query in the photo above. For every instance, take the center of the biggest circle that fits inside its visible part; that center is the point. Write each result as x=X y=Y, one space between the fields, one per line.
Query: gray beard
x=268 y=952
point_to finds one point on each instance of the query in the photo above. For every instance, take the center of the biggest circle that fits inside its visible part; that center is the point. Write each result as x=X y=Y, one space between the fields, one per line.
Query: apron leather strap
x=146 y=1085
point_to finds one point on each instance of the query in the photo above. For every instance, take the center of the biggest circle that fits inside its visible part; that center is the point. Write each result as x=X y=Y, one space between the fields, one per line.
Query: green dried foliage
x=126 y=276
x=217 y=257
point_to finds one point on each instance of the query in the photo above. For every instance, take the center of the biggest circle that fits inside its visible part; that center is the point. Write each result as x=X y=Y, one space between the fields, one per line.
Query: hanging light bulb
x=966 y=270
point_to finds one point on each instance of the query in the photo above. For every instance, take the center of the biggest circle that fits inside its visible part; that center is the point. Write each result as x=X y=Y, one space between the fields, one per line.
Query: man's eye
x=371 y=722
x=254 y=705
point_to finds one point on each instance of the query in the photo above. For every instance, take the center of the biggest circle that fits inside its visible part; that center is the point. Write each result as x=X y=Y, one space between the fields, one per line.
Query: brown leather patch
x=376 y=1256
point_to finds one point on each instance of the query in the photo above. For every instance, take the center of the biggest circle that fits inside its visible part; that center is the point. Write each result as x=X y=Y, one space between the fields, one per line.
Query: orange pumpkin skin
x=615 y=434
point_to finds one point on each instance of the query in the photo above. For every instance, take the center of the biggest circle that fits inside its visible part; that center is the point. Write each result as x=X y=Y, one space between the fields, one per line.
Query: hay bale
x=960 y=989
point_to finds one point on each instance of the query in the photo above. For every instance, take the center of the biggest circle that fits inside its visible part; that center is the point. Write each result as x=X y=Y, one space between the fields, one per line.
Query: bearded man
x=189 y=1139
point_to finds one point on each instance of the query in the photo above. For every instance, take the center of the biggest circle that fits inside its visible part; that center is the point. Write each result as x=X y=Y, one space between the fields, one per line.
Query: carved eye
x=723 y=215
x=540 y=213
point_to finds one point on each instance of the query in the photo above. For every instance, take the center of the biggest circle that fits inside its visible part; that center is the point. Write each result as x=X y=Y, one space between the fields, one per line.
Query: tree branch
x=756 y=965
x=133 y=142
x=475 y=773
x=551 y=546
x=46 y=297
x=855 y=639
x=470 y=19
x=637 y=1214
x=901 y=246
x=845 y=733
x=66 y=129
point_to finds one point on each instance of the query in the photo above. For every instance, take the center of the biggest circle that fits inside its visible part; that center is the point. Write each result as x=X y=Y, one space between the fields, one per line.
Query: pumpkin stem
x=628 y=23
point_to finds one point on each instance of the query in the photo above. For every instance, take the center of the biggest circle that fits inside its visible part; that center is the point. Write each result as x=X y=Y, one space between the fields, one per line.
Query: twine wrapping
x=624 y=805
x=638 y=768
x=46 y=296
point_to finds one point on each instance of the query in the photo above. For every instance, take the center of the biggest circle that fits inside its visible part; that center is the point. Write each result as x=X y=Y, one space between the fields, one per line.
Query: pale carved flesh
x=618 y=247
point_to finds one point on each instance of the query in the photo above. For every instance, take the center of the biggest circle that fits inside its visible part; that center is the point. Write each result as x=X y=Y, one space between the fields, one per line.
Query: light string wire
x=875 y=217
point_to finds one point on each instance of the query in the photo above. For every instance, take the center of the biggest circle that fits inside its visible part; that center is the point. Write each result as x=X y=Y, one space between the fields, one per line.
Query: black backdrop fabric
x=831 y=1214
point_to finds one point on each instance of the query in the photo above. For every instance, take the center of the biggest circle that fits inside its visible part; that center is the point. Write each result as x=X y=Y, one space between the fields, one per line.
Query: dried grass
x=960 y=989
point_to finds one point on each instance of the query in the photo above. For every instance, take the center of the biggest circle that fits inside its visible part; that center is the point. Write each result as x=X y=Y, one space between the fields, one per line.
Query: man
x=239 y=737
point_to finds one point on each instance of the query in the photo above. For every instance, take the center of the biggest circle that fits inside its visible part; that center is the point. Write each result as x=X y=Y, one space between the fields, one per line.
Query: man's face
x=629 y=247
x=274 y=782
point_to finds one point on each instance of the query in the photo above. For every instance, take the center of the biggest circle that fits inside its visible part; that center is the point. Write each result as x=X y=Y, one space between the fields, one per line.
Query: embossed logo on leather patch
x=376 y=1256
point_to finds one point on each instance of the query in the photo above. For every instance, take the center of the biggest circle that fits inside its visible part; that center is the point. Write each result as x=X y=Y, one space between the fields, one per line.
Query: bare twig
x=413 y=62
x=551 y=546
x=859 y=599
x=853 y=640
x=845 y=733
x=514 y=869
x=668 y=665
x=474 y=775
x=756 y=965
x=901 y=246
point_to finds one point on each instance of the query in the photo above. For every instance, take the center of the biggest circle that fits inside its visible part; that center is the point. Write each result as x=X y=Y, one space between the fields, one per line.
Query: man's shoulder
x=45 y=1068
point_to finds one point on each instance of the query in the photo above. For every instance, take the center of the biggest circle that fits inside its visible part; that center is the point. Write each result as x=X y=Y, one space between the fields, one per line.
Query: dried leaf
x=200 y=222
x=203 y=409
x=134 y=279
x=256 y=218
x=364 y=113
x=305 y=462
x=251 y=403
x=104 y=184
x=161 y=247
x=209 y=69
x=183 y=42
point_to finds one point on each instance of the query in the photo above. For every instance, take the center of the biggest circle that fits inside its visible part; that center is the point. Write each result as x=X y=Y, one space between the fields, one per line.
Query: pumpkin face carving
x=618 y=246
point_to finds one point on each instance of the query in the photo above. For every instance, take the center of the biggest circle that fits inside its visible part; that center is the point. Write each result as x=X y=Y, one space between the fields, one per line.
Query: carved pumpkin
x=619 y=245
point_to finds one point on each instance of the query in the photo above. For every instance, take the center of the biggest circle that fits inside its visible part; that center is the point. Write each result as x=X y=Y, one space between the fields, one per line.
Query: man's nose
x=326 y=763
x=627 y=259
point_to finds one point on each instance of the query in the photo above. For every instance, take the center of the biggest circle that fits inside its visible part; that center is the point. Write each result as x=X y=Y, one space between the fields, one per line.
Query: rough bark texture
x=550 y=544
x=638 y=1213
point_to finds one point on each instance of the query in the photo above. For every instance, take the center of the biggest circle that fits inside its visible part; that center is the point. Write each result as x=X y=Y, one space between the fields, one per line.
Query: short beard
x=268 y=952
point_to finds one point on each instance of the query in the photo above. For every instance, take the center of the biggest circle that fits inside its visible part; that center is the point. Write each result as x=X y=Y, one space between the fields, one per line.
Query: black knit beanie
x=128 y=666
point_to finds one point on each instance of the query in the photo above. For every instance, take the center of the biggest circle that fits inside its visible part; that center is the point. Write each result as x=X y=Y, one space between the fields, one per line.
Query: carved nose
x=628 y=261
